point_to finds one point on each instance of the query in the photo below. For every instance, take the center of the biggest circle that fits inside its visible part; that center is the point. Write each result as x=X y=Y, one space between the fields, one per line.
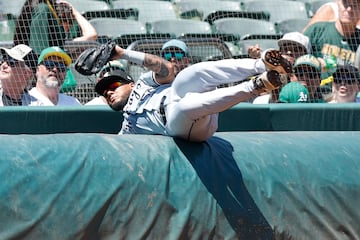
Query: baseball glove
x=93 y=59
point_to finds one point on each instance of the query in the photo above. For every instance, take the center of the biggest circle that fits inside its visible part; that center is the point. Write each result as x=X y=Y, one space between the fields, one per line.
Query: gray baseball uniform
x=192 y=102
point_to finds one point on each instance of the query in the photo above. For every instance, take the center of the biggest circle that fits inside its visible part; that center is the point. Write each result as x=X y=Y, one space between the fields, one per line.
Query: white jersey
x=41 y=100
x=142 y=111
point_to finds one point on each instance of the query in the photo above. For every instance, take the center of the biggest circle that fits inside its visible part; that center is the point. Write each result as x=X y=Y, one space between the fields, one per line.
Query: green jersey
x=329 y=44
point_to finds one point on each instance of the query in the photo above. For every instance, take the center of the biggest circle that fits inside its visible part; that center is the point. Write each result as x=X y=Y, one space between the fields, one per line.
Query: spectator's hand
x=65 y=10
x=254 y=51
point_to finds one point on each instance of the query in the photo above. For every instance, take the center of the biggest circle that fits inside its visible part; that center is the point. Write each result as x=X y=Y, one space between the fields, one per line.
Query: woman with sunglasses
x=15 y=74
x=50 y=75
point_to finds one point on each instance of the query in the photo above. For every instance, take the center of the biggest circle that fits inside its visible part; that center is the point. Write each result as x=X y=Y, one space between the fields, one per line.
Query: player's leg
x=206 y=76
x=194 y=116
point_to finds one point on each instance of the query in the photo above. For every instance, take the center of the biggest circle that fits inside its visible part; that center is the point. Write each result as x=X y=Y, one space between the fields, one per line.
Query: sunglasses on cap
x=51 y=64
x=177 y=55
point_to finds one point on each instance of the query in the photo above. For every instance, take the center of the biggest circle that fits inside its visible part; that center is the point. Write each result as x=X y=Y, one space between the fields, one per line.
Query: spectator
x=294 y=92
x=50 y=75
x=307 y=70
x=345 y=84
x=291 y=45
x=42 y=24
x=188 y=106
x=16 y=70
x=330 y=12
x=328 y=39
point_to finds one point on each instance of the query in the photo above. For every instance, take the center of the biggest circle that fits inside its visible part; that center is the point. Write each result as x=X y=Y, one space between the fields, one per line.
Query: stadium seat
x=113 y=13
x=291 y=25
x=180 y=27
x=236 y=14
x=201 y=9
x=244 y=26
x=113 y=27
x=12 y=7
x=149 y=10
x=263 y=43
x=314 y=5
x=7 y=27
x=89 y=5
x=199 y=50
x=279 y=10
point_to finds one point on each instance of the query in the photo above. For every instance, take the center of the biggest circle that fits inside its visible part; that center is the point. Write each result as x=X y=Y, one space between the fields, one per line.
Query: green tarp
x=238 y=185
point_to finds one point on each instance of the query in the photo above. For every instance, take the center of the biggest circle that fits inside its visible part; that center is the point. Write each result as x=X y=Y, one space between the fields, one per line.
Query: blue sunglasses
x=177 y=55
x=51 y=64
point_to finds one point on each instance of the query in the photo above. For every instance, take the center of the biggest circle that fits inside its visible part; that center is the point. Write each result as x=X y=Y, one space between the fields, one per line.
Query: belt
x=162 y=110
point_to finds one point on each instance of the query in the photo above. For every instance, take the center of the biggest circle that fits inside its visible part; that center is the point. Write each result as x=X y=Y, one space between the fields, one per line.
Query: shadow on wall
x=216 y=167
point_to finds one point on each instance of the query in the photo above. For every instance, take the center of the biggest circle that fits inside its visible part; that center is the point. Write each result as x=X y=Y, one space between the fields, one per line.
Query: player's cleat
x=273 y=60
x=268 y=81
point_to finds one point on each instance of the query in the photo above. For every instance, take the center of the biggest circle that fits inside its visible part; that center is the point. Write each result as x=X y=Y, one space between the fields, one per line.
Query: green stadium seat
x=264 y=44
x=7 y=28
x=12 y=7
x=113 y=13
x=180 y=27
x=291 y=25
x=114 y=27
x=279 y=10
x=244 y=26
x=89 y=5
x=236 y=14
x=201 y=9
x=149 y=10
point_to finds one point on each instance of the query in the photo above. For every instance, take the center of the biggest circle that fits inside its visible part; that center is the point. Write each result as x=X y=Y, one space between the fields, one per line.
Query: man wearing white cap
x=16 y=69
x=50 y=75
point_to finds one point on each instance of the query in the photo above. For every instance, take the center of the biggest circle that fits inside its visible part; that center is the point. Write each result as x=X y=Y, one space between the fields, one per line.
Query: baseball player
x=185 y=106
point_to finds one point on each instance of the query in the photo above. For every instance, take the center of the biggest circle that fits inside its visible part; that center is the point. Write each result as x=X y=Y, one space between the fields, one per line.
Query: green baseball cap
x=54 y=51
x=294 y=92
x=309 y=60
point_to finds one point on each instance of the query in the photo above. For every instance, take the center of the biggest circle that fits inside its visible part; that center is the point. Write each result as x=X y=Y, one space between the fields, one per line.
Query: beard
x=49 y=82
x=118 y=106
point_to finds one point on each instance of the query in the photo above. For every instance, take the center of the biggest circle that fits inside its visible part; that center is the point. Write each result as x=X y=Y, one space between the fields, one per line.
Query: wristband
x=134 y=56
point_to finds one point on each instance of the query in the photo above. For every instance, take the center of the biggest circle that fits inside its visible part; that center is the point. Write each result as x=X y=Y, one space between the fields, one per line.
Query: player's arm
x=163 y=69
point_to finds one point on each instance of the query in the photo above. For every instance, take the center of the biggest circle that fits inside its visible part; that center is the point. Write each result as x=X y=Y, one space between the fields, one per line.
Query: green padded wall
x=243 y=117
x=237 y=185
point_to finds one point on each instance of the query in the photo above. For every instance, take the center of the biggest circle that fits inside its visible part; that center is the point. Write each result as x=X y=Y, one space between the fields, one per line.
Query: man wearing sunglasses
x=16 y=71
x=345 y=84
x=176 y=52
x=187 y=106
x=50 y=75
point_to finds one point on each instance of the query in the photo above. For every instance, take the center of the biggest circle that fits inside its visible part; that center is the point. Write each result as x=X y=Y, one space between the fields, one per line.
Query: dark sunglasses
x=351 y=3
x=309 y=74
x=346 y=81
x=177 y=55
x=51 y=64
x=9 y=61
